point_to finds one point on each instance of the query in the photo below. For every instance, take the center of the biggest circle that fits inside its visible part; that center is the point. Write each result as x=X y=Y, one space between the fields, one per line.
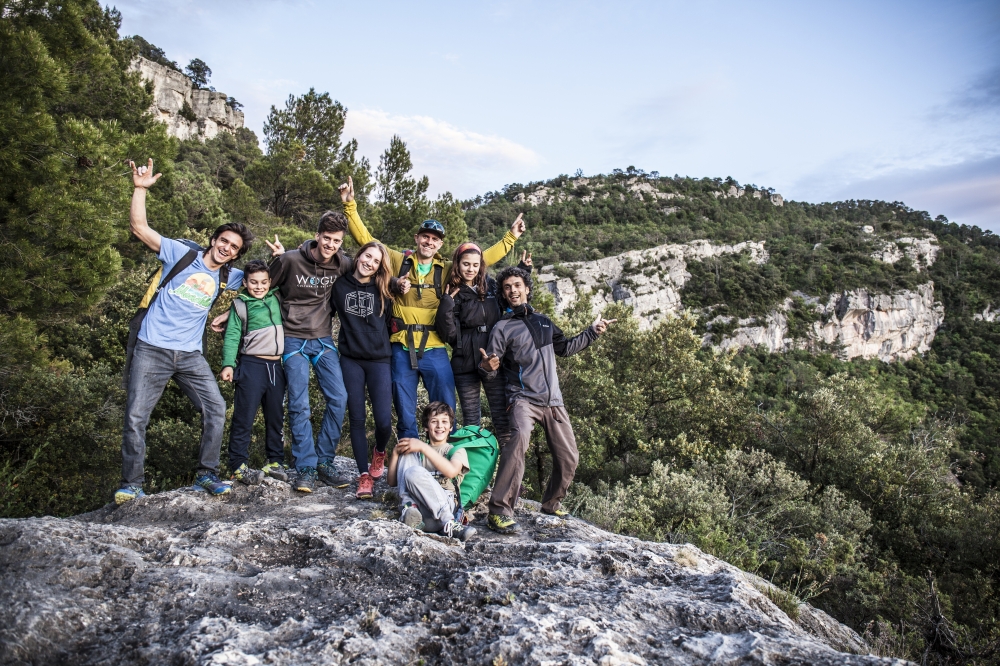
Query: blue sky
x=822 y=101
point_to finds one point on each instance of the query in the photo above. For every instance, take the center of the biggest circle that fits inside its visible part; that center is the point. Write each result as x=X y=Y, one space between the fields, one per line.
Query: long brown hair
x=382 y=275
x=455 y=277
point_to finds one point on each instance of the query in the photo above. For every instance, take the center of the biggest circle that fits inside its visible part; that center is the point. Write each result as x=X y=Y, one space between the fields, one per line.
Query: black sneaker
x=327 y=473
x=276 y=470
x=457 y=530
x=305 y=479
x=248 y=475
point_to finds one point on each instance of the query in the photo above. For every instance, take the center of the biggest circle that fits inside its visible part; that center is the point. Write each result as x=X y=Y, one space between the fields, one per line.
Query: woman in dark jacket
x=469 y=309
x=363 y=302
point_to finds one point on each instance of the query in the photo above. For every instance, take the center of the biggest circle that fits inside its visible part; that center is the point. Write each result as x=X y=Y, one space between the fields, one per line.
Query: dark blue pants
x=259 y=383
x=378 y=378
x=435 y=369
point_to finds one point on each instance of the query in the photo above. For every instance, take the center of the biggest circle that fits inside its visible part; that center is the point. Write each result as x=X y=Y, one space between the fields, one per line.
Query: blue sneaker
x=211 y=482
x=127 y=494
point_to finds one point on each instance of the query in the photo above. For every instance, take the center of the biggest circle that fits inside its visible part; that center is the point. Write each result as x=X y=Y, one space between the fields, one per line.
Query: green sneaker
x=248 y=475
x=127 y=494
x=559 y=513
x=502 y=524
x=276 y=470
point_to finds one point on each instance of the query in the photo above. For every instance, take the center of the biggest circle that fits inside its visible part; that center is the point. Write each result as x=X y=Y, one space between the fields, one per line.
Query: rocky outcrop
x=922 y=252
x=209 y=111
x=987 y=314
x=262 y=576
x=859 y=324
x=648 y=280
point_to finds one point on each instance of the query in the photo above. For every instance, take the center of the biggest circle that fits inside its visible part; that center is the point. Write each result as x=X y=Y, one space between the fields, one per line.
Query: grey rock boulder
x=268 y=576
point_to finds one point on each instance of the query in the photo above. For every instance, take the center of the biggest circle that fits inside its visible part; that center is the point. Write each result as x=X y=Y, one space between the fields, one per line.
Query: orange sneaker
x=377 y=468
x=366 y=486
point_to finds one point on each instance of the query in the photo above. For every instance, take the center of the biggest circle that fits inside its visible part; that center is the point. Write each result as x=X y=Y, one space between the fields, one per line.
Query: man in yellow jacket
x=417 y=351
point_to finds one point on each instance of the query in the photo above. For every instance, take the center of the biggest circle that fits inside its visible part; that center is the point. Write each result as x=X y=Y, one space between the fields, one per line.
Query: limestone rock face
x=648 y=280
x=921 y=251
x=865 y=325
x=889 y=327
x=265 y=576
x=171 y=90
x=987 y=314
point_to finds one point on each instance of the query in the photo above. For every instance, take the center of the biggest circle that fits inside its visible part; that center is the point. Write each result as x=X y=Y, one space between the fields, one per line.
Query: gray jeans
x=152 y=367
x=417 y=486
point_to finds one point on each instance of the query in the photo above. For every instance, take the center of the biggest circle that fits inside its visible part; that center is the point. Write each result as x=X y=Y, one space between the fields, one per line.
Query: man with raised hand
x=169 y=344
x=304 y=278
x=417 y=350
x=525 y=344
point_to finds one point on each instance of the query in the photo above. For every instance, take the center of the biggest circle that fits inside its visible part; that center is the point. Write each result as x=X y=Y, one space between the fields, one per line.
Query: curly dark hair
x=515 y=271
x=237 y=228
x=433 y=409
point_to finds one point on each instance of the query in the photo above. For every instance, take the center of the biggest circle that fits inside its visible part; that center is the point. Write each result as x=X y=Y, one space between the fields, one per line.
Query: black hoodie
x=465 y=322
x=304 y=288
x=364 y=319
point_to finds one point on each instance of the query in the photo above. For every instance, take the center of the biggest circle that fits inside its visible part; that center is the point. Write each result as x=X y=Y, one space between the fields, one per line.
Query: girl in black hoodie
x=469 y=309
x=363 y=302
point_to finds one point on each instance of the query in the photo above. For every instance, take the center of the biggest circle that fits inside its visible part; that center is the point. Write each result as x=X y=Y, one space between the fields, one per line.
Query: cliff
x=860 y=324
x=208 y=112
x=267 y=576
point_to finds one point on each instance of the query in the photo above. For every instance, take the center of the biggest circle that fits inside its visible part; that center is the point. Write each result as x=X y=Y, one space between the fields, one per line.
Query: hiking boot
x=328 y=475
x=248 y=475
x=211 y=482
x=366 y=486
x=411 y=517
x=129 y=493
x=305 y=479
x=377 y=468
x=276 y=470
x=457 y=530
x=502 y=524
x=559 y=513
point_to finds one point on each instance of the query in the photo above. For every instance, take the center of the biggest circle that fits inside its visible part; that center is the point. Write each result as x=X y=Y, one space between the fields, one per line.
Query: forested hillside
x=868 y=489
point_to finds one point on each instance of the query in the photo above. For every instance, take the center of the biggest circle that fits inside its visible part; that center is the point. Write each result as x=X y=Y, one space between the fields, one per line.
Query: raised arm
x=564 y=346
x=143 y=179
x=498 y=251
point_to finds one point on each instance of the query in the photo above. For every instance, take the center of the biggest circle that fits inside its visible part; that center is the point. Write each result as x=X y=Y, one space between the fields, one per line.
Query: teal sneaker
x=127 y=494
x=305 y=479
x=210 y=482
x=276 y=470
x=248 y=475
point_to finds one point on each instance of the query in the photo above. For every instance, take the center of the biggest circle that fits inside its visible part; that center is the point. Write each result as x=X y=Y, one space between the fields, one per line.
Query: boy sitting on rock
x=428 y=478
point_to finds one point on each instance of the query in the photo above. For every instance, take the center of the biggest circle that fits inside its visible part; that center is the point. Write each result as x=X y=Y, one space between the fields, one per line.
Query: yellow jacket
x=419 y=306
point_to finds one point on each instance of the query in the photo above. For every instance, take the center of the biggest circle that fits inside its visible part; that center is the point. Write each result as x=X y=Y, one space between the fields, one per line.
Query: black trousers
x=468 y=384
x=259 y=383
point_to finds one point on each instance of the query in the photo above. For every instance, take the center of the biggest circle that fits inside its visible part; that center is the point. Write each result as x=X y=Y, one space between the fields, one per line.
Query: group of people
x=398 y=313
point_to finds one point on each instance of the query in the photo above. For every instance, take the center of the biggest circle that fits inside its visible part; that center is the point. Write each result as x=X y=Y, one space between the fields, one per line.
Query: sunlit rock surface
x=171 y=89
x=267 y=576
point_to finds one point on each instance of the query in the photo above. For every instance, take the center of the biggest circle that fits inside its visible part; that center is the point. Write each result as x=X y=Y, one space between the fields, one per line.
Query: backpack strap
x=407 y=265
x=181 y=264
x=437 y=280
x=240 y=307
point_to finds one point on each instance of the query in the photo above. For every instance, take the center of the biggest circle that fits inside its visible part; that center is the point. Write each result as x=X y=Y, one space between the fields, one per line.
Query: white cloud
x=458 y=160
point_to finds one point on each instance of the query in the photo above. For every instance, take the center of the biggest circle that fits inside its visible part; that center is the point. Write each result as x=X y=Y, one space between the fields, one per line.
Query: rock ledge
x=267 y=576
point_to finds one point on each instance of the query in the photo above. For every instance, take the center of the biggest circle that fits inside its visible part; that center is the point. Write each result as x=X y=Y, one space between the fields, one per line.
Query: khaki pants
x=562 y=445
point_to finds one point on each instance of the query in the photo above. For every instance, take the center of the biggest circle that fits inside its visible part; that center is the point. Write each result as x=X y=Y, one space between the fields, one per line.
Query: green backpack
x=483 y=451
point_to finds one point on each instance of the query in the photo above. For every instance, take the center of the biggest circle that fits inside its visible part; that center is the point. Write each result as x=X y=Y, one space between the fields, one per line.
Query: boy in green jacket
x=253 y=346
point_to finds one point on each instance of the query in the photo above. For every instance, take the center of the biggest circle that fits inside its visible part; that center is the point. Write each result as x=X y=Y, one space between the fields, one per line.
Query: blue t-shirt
x=176 y=320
